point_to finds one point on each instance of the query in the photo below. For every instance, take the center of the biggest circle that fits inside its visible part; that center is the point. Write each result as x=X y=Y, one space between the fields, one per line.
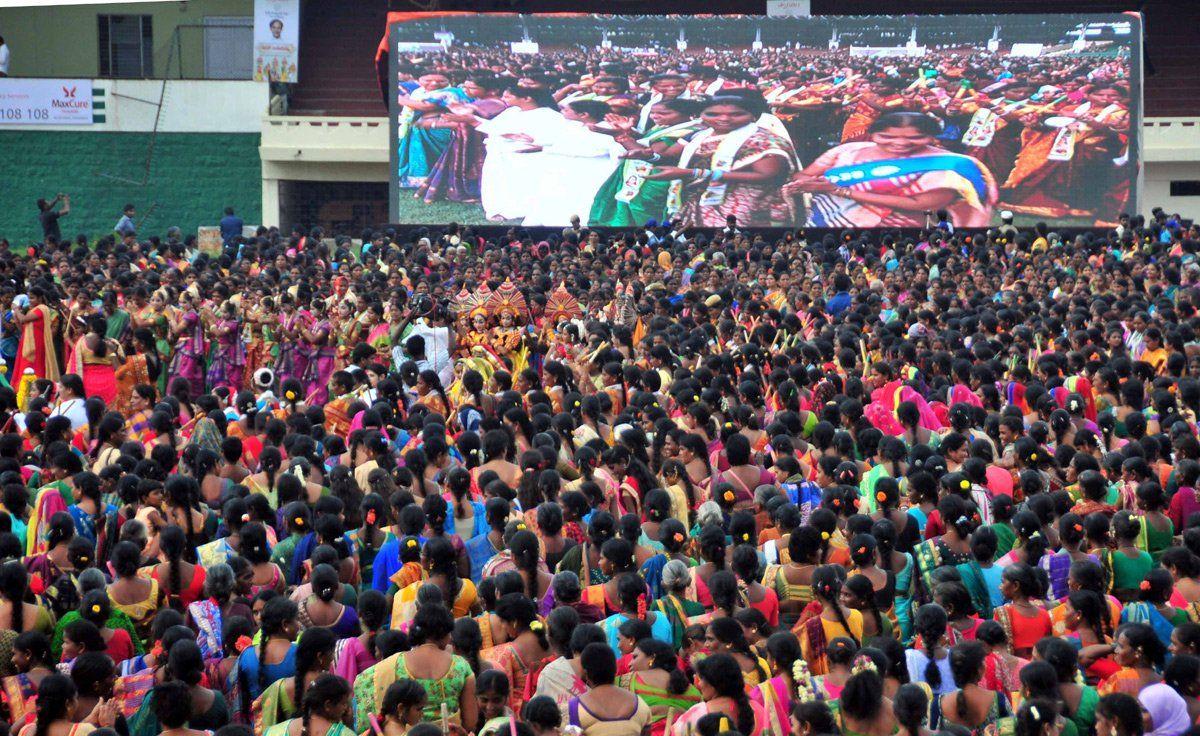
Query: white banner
x=276 y=40
x=789 y=8
x=45 y=101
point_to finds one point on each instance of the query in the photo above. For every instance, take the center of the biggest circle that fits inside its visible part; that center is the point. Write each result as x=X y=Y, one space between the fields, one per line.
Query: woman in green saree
x=323 y=710
x=314 y=657
x=627 y=199
x=675 y=604
x=953 y=549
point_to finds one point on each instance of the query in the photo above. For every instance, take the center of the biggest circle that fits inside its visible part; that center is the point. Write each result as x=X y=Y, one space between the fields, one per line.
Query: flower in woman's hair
x=411 y=544
x=1078 y=527
x=964 y=484
x=245 y=518
x=371 y=516
x=536 y=625
x=745 y=537
x=728 y=496
x=824 y=535
x=299 y=521
x=679 y=537
x=521 y=526
x=836 y=502
x=95 y=608
x=863 y=663
x=728 y=425
x=1033 y=456
x=862 y=550
x=1144 y=585
x=243 y=643
x=290 y=395
x=158 y=651
x=880 y=496
x=577 y=402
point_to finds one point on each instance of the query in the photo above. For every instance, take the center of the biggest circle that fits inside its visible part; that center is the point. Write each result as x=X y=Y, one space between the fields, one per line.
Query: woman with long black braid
x=181 y=581
x=727 y=635
x=56 y=701
x=972 y=705
x=930 y=663
x=274 y=657
x=281 y=699
x=834 y=621
x=322 y=712
x=723 y=692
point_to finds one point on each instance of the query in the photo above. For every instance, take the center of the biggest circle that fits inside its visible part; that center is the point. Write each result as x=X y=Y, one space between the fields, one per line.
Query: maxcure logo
x=68 y=101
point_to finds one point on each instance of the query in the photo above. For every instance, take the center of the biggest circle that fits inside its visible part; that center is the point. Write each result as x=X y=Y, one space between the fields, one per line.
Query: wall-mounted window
x=126 y=46
x=1186 y=188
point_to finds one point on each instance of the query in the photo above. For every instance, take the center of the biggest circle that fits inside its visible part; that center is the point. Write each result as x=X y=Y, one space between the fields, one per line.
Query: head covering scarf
x=1168 y=711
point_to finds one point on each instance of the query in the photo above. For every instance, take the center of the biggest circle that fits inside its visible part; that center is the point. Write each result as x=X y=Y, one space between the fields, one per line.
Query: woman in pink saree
x=895 y=179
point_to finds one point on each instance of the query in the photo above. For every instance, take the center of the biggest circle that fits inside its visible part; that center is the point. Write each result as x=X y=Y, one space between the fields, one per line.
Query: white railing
x=318 y=138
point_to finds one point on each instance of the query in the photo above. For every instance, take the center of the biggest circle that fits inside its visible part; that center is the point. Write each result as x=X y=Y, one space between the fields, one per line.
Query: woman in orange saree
x=1071 y=160
x=36 y=347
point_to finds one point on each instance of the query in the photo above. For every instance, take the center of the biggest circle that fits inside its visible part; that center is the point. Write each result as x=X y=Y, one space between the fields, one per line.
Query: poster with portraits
x=276 y=40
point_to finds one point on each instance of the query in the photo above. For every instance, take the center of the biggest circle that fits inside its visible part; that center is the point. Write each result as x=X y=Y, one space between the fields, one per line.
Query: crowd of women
x=775 y=137
x=657 y=482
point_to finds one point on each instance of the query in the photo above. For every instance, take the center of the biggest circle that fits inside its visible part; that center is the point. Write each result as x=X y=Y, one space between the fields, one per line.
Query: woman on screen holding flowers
x=629 y=198
x=895 y=178
x=732 y=166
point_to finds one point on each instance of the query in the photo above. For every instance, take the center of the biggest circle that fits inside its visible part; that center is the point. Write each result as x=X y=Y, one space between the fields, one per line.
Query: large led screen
x=618 y=121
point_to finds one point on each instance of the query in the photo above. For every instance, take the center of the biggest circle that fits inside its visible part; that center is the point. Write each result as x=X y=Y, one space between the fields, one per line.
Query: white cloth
x=4 y=57
x=572 y=165
x=437 y=352
x=71 y=409
x=504 y=189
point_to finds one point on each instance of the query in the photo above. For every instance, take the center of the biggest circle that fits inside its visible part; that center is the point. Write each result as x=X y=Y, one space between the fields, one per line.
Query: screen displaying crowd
x=862 y=122
x=652 y=482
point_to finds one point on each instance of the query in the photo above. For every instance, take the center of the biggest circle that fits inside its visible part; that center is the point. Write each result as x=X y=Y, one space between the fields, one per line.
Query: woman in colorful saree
x=322 y=712
x=1069 y=156
x=834 y=620
x=31 y=656
x=628 y=199
x=951 y=549
x=280 y=700
x=421 y=135
x=95 y=358
x=722 y=689
x=656 y=678
x=1152 y=607
x=190 y=346
x=446 y=678
x=732 y=167
x=455 y=176
x=895 y=178
x=1140 y=654
x=35 y=350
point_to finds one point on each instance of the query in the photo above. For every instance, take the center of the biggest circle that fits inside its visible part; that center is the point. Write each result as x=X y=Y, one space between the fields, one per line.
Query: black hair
x=722 y=672
x=1125 y=710
x=930 y=622
x=663 y=657
x=315 y=642
x=54 y=693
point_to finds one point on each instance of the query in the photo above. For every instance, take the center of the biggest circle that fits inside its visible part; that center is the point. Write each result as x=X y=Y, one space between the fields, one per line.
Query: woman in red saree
x=95 y=359
x=36 y=347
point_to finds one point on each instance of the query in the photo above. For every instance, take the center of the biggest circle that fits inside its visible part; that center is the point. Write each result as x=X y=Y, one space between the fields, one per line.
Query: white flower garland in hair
x=803 y=680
